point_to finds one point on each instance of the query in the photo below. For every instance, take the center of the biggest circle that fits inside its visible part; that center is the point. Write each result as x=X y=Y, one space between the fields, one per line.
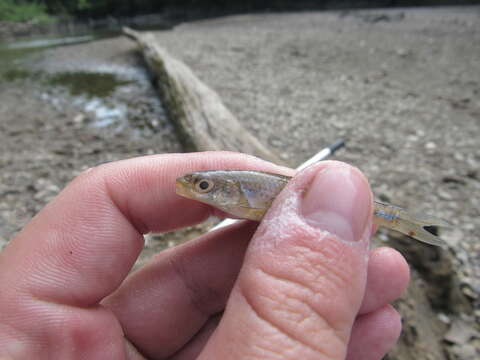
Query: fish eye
x=204 y=185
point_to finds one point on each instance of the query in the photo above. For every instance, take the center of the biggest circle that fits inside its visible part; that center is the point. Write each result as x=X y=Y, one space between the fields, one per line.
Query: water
x=70 y=73
x=92 y=84
x=49 y=42
x=67 y=104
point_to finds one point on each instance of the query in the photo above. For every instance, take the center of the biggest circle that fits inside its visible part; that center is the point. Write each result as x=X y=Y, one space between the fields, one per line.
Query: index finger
x=81 y=246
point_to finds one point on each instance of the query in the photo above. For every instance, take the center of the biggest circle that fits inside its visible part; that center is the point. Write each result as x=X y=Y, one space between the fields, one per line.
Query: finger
x=304 y=273
x=388 y=277
x=131 y=352
x=80 y=247
x=179 y=290
x=171 y=315
x=374 y=334
x=195 y=346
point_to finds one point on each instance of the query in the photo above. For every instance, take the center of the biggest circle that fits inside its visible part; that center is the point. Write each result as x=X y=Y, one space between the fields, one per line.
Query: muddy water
x=64 y=109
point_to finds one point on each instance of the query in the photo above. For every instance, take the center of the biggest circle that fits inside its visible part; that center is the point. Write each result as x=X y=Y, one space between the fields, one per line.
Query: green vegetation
x=45 y=10
x=10 y=70
x=15 y=74
x=87 y=83
x=20 y=11
x=77 y=83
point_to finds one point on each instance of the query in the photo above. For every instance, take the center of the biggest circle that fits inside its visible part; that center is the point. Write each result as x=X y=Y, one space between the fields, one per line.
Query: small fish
x=248 y=195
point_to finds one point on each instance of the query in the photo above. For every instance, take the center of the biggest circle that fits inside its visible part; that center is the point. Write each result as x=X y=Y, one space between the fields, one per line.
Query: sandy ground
x=401 y=86
x=49 y=135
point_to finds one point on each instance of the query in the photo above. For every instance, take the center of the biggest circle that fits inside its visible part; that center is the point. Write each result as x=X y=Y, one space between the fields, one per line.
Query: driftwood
x=201 y=119
x=206 y=124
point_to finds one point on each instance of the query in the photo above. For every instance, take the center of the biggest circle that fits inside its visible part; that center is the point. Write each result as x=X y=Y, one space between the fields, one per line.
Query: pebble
x=402 y=52
x=79 y=118
x=356 y=123
x=3 y=242
x=444 y=318
x=474 y=283
x=465 y=352
x=284 y=156
x=468 y=291
x=459 y=156
x=444 y=194
x=454 y=237
x=460 y=332
x=477 y=313
x=430 y=145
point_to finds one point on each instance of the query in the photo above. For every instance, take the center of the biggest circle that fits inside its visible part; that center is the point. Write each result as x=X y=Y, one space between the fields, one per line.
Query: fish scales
x=249 y=194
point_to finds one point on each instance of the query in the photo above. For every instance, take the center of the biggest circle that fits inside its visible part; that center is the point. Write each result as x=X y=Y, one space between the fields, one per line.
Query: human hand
x=296 y=288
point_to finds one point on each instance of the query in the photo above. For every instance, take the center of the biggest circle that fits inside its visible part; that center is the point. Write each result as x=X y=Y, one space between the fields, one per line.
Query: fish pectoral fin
x=253 y=213
x=246 y=212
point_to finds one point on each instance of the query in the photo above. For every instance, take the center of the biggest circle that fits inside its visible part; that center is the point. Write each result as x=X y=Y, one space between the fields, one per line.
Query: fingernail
x=339 y=201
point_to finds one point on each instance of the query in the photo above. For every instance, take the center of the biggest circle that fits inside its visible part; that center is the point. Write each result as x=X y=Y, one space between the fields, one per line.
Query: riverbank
x=401 y=86
x=11 y=30
x=104 y=27
x=60 y=117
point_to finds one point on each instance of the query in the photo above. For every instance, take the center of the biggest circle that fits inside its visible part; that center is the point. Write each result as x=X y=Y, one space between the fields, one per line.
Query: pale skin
x=295 y=288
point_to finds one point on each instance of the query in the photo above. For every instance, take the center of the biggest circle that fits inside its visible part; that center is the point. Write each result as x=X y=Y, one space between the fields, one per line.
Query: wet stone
x=465 y=352
x=460 y=332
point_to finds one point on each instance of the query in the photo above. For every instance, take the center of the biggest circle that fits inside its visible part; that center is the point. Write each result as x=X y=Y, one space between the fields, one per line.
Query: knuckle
x=79 y=329
x=290 y=307
x=328 y=257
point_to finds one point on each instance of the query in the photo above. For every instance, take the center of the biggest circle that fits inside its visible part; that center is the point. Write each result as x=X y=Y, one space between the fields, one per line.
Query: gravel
x=401 y=86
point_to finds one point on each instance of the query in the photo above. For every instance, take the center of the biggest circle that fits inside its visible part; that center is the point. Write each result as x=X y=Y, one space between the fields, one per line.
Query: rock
x=202 y=120
x=402 y=52
x=465 y=352
x=460 y=332
x=3 y=242
x=422 y=333
x=443 y=318
x=453 y=237
x=468 y=291
x=444 y=194
x=249 y=83
x=430 y=145
x=79 y=118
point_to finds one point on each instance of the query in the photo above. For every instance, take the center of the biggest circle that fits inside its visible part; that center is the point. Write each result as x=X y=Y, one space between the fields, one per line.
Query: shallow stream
x=67 y=104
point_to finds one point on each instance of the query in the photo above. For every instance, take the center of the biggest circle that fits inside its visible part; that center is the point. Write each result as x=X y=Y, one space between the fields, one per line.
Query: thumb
x=304 y=274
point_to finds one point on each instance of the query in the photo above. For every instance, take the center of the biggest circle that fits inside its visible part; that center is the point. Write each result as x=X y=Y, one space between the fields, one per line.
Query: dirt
x=10 y=29
x=57 y=121
x=401 y=86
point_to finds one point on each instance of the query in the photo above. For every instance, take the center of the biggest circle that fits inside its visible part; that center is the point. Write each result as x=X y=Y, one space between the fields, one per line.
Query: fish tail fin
x=421 y=227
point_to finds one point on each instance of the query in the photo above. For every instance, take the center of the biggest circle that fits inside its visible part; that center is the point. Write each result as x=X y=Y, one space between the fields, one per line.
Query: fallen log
x=201 y=119
x=437 y=316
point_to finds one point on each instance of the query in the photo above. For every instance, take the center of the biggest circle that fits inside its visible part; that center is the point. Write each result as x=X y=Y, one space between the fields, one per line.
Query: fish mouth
x=182 y=187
